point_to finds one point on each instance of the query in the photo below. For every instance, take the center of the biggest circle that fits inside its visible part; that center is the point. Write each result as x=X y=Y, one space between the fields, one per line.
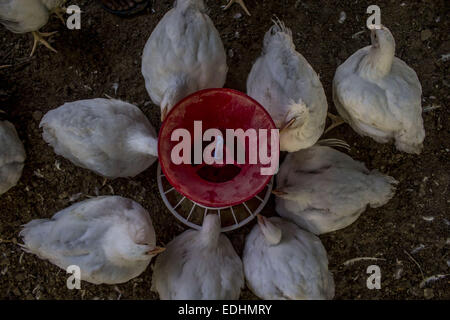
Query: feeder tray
x=236 y=192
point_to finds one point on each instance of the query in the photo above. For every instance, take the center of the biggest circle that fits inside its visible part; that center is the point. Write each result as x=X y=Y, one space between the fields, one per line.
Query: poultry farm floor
x=409 y=235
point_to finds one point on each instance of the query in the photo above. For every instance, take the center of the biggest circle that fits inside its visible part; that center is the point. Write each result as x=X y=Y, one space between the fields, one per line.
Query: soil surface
x=409 y=235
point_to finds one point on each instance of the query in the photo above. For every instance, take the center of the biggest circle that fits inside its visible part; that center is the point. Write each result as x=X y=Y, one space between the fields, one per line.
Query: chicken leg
x=335 y=121
x=241 y=2
x=39 y=38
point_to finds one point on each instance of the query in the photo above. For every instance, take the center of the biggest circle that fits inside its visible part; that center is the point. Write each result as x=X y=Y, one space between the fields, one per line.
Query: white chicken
x=12 y=156
x=184 y=54
x=199 y=265
x=281 y=261
x=111 y=239
x=110 y=137
x=323 y=190
x=284 y=83
x=379 y=95
x=22 y=16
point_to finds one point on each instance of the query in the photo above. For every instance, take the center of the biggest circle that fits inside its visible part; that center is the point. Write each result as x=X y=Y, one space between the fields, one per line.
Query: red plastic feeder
x=237 y=191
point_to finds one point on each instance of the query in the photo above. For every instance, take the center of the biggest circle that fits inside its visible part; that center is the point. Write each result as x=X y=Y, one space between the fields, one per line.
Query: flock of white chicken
x=318 y=190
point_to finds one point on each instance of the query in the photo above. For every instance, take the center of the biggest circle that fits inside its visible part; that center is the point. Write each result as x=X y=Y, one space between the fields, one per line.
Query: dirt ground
x=410 y=235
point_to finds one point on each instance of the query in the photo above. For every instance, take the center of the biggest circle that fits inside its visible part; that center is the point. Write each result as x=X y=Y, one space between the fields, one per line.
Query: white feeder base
x=239 y=215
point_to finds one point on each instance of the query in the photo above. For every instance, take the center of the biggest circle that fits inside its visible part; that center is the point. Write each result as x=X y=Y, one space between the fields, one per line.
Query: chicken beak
x=271 y=233
x=156 y=251
x=373 y=38
x=279 y=193
x=261 y=219
x=164 y=114
x=287 y=125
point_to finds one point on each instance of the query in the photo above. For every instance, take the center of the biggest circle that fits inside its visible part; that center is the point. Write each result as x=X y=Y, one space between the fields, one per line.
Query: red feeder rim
x=215 y=185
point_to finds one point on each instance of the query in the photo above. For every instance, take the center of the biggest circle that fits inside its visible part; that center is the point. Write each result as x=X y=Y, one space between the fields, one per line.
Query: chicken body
x=22 y=16
x=184 y=54
x=379 y=95
x=12 y=156
x=286 y=85
x=323 y=190
x=281 y=261
x=110 y=137
x=199 y=265
x=110 y=238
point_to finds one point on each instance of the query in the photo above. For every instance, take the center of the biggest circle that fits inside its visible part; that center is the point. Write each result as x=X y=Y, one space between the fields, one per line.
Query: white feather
x=107 y=237
x=199 y=265
x=327 y=190
x=184 y=54
x=110 y=137
x=296 y=268
x=12 y=156
x=287 y=86
x=380 y=96
x=21 y=16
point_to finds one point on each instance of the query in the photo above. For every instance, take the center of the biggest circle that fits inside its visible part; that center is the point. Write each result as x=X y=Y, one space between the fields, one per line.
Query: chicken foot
x=59 y=12
x=334 y=143
x=39 y=38
x=335 y=121
x=241 y=3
